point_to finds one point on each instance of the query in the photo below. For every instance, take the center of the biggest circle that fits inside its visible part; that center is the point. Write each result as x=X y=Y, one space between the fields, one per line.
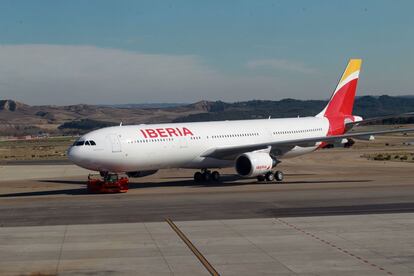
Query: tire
x=215 y=176
x=279 y=176
x=206 y=176
x=261 y=178
x=103 y=174
x=270 y=176
x=198 y=177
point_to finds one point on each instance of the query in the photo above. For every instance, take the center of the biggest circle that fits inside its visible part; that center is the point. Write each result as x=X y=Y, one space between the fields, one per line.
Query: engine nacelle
x=140 y=173
x=252 y=164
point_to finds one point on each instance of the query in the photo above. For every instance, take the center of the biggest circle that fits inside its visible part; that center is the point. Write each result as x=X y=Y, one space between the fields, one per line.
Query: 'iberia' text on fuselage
x=166 y=132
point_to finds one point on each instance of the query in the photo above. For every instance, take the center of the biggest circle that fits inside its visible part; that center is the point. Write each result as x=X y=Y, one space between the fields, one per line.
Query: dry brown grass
x=48 y=148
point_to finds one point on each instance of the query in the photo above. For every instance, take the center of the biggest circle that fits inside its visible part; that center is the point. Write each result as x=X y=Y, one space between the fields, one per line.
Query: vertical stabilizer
x=339 y=108
x=342 y=99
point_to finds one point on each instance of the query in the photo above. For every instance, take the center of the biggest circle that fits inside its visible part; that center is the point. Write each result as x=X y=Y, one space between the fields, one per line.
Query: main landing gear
x=271 y=176
x=206 y=175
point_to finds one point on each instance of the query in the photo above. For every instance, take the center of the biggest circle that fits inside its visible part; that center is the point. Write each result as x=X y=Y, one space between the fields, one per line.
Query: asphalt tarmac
x=310 y=189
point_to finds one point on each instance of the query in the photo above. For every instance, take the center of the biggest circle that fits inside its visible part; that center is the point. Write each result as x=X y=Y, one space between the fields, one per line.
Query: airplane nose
x=69 y=154
x=73 y=155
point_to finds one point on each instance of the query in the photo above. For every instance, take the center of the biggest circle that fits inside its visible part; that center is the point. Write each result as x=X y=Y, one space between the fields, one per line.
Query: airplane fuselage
x=182 y=145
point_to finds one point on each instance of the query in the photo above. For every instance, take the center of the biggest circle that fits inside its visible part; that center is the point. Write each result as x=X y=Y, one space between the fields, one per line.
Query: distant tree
x=85 y=124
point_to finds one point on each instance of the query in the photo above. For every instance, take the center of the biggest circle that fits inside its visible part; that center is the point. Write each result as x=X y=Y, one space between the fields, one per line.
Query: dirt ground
x=36 y=149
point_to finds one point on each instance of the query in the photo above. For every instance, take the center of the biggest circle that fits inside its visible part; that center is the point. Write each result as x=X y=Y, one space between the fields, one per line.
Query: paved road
x=183 y=200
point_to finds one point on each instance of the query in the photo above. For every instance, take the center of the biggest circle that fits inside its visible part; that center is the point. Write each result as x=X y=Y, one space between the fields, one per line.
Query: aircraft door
x=115 y=143
x=183 y=141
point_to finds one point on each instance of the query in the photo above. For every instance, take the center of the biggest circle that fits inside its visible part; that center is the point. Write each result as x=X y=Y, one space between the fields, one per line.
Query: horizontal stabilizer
x=368 y=121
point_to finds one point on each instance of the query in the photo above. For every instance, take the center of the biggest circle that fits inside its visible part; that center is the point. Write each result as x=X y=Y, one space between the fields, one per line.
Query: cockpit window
x=79 y=143
x=86 y=143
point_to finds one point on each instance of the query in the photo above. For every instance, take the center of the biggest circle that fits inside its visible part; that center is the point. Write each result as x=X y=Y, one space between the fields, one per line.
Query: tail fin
x=342 y=99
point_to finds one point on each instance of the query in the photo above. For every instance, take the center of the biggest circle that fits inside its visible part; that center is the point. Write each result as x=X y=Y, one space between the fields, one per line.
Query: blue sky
x=65 y=52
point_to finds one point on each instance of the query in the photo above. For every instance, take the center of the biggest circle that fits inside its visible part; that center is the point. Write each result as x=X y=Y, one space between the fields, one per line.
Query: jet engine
x=140 y=173
x=252 y=164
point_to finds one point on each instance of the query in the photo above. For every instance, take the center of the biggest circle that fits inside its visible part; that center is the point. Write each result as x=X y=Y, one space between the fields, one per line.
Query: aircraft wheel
x=279 y=176
x=215 y=176
x=206 y=176
x=103 y=173
x=261 y=178
x=198 y=177
x=270 y=176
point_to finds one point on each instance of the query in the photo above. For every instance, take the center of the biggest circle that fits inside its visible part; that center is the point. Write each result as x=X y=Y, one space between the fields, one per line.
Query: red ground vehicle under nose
x=111 y=183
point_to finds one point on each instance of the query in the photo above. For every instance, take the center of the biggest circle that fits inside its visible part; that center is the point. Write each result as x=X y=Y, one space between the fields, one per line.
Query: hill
x=366 y=106
x=21 y=119
x=18 y=119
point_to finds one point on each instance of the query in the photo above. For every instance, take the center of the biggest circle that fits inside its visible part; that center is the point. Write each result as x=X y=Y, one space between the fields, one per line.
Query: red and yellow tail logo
x=341 y=104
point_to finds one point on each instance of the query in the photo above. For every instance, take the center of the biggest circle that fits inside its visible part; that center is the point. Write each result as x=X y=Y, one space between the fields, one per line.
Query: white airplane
x=253 y=147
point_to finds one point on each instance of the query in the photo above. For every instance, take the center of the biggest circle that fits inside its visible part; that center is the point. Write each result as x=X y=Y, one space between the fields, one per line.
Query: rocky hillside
x=21 y=119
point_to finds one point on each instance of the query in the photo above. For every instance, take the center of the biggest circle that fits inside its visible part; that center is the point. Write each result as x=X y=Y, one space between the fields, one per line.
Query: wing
x=231 y=152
